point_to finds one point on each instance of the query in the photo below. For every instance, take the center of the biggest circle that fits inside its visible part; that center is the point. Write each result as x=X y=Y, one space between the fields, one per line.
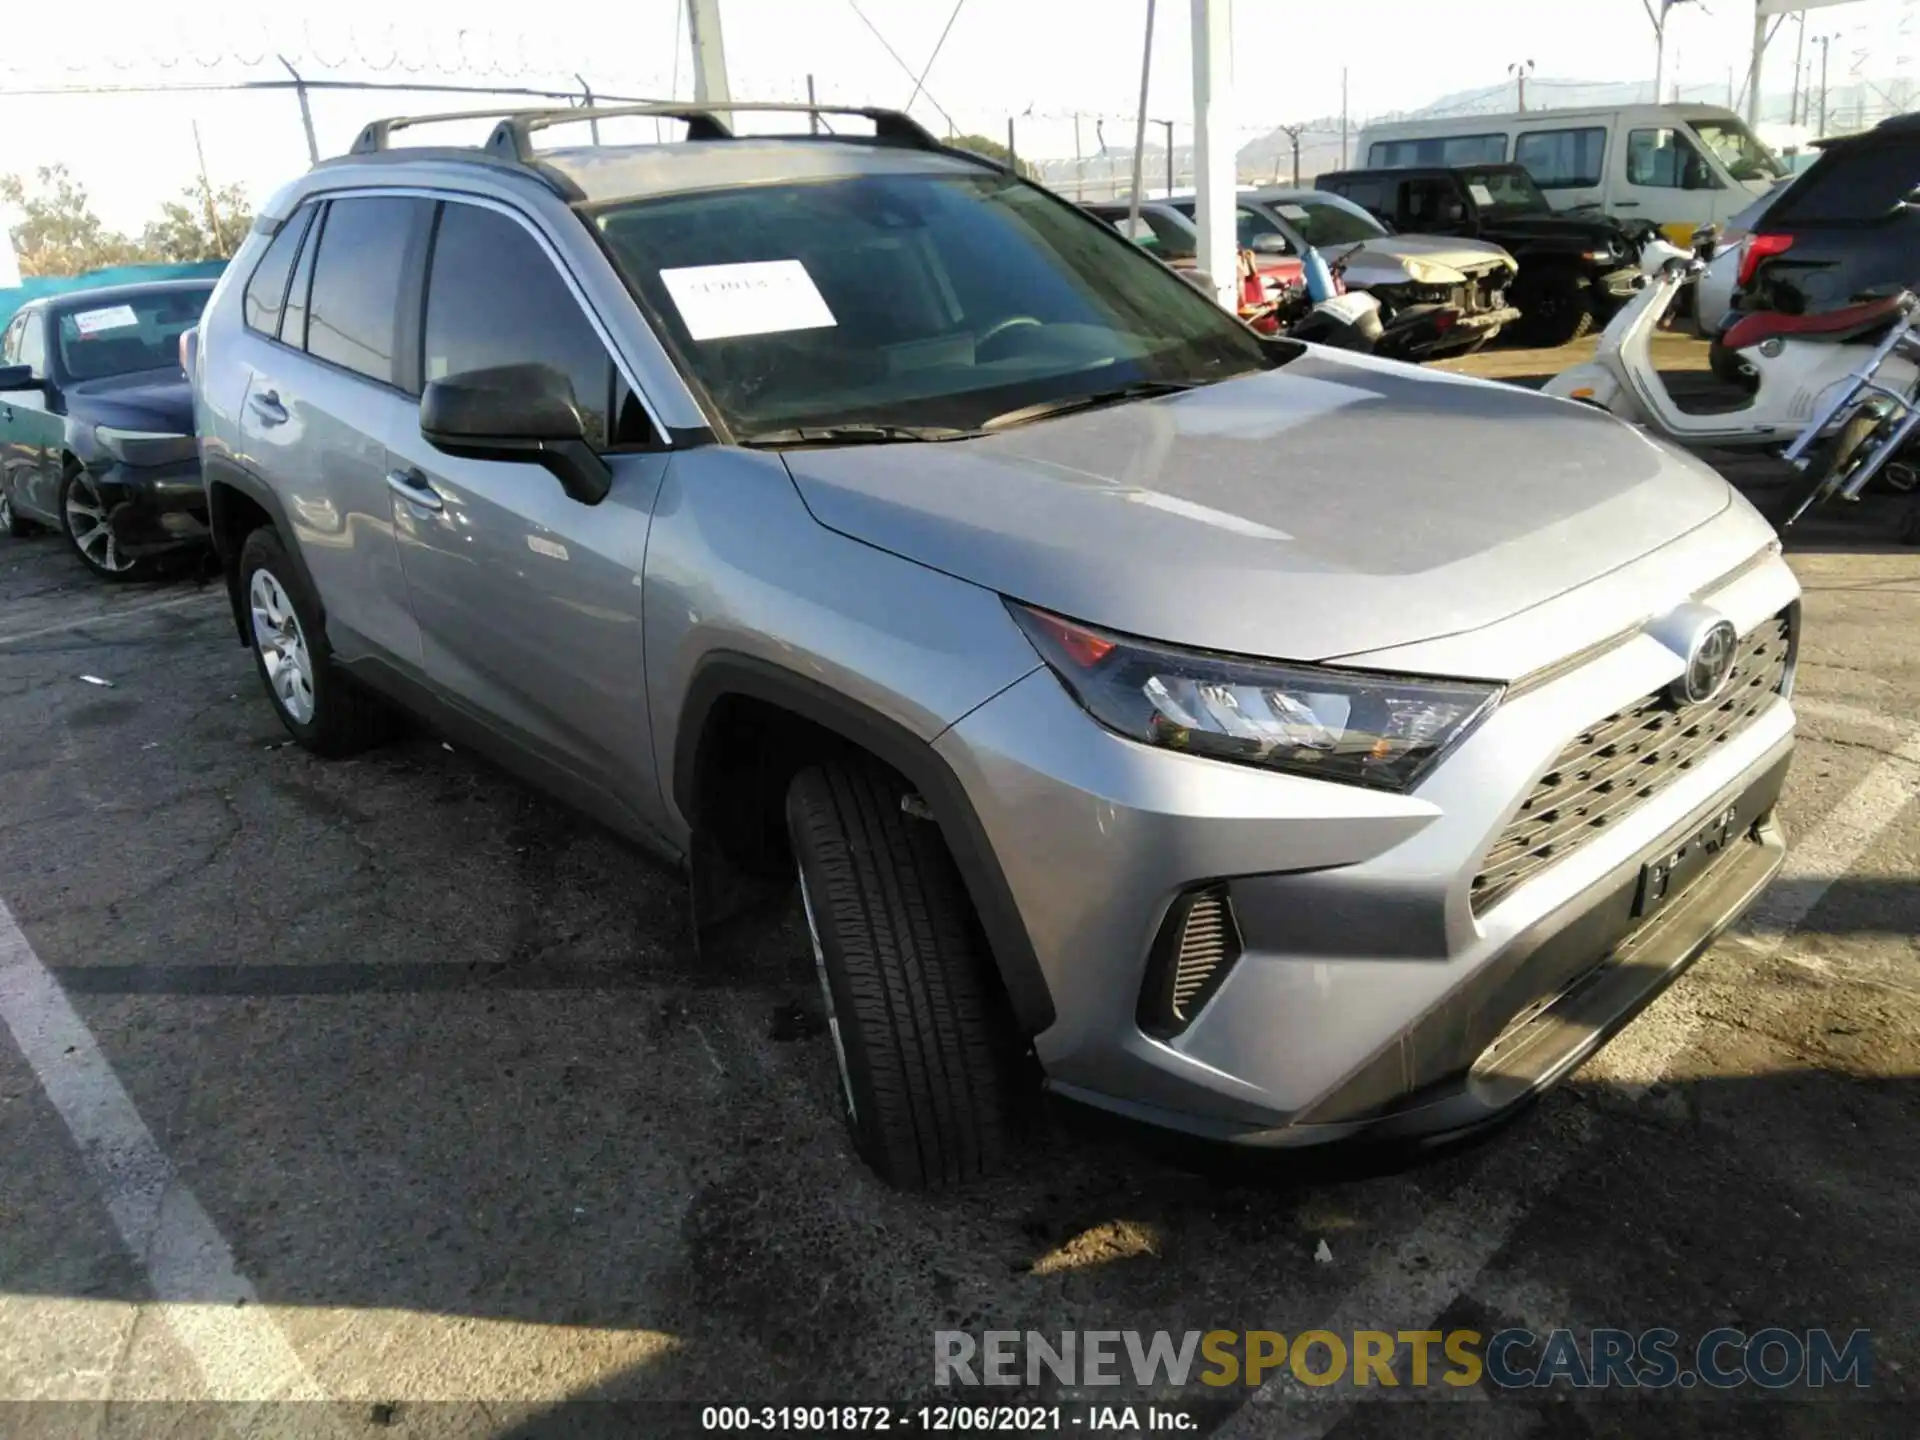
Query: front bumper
x=1368 y=995
x=154 y=508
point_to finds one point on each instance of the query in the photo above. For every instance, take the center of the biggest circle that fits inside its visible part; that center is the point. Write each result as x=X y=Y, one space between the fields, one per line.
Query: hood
x=156 y=400
x=1337 y=505
x=1422 y=260
x=1464 y=257
x=1587 y=231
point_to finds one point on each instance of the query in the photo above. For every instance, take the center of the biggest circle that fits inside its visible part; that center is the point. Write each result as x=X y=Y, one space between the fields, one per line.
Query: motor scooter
x=1808 y=366
x=1330 y=314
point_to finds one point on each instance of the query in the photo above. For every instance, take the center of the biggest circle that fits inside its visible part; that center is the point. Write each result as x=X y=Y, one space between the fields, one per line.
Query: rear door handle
x=1626 y=204
x=412 y=486
x=268 y=407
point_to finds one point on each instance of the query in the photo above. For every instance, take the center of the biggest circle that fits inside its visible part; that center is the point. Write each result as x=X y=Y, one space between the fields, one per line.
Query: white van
x=1679 y=166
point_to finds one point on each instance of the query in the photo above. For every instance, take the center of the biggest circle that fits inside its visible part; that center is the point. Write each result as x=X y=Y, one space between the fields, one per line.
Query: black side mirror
x=20 y=377
x=515 y=412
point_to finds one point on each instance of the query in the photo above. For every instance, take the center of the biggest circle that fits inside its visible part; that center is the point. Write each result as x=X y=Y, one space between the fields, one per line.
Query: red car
x=1165 y=232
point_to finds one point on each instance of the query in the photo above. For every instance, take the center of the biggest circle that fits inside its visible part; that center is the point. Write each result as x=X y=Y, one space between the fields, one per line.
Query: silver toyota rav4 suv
x=1258 y=741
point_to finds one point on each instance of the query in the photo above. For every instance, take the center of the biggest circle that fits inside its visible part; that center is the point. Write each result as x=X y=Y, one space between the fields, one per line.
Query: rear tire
x=1556 y=308
x=320 y=707
x=925 y=1047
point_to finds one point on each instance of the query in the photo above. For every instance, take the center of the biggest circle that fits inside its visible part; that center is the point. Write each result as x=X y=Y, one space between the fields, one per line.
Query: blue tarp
x=35 y=286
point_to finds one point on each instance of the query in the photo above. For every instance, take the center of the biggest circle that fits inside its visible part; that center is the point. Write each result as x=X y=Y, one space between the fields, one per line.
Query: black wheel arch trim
x=219 y=472
x=727 y=673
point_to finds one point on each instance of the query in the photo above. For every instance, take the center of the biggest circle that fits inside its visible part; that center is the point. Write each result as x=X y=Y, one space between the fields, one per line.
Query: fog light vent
x=1196 y=947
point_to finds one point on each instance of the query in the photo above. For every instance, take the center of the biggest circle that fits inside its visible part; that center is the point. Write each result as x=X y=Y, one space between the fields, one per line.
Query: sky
x=1039 y=60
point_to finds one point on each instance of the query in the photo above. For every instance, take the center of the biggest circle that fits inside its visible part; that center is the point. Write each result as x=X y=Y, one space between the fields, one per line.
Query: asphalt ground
x=391 y=1084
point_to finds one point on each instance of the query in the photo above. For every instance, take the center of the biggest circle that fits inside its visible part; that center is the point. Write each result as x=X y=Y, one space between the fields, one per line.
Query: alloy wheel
x=87 y=525
x=282 y=645
x=826 y=995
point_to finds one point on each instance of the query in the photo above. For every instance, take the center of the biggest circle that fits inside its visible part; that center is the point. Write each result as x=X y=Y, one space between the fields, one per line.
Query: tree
x=58 y=233
x=186 y=231
x=994 y=150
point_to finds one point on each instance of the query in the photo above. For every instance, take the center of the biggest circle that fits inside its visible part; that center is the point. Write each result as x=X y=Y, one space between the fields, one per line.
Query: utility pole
x=1823 y=41
x=709 y=53
x=1079 y=164
x=1520 y=70
x=1658 y=18
x=1292 y=132
x=1140 y=127
x=813 y=121
x=1797 y=104
x=306 y=111
x=1167 y=125
x=1343 y=117
x=1013 y=155
x=586 y=97
x=206 y=193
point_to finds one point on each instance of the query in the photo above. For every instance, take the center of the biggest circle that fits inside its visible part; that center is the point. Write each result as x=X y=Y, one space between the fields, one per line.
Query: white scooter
x=1808 y=366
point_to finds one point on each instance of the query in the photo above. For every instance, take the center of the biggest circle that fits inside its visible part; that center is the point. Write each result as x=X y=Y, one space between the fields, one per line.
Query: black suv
x=1575 y=270
x=1847 y=229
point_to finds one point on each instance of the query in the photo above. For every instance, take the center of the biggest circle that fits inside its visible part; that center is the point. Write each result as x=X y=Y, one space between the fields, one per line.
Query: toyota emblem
x=1709 y=664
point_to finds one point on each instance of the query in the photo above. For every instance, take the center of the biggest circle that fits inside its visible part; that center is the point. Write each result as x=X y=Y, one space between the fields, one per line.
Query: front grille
x=1197 y=945
x=1611 y=768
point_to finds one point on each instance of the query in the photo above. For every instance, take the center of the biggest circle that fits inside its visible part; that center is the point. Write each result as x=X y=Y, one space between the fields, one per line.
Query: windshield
x=129 y=333
x=1504 y=192
x=1326 y=220
x=1735 y=147
x=909 y=300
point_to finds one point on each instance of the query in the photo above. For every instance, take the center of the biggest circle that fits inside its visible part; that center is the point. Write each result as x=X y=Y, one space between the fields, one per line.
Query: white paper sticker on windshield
x=1292 y=212
x=113 y=317
x=1481 y=195
x=760 y=298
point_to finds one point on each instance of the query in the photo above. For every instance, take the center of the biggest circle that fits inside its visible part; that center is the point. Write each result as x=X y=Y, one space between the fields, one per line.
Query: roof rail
x=512 y=138
x=377 y=135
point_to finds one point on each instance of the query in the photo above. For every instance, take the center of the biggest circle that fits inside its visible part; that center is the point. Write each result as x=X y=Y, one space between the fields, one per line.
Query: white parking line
x=1409 y=1286
x=211 y=1308
x=91 y=621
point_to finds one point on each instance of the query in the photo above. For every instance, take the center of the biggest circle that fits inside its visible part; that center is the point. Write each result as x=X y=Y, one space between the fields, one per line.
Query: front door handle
x=268 y=407
x=1626 y=204
x=412 y=486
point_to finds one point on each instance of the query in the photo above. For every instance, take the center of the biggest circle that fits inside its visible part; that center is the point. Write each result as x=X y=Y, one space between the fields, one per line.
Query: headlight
x=145 y=447
x=1428 y=272
x=1380 y=730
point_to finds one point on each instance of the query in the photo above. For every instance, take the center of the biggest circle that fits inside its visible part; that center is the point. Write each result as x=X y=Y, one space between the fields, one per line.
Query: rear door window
x=354 y=317
x=1851 y=185
x=1563 y=159
x=1488 y=149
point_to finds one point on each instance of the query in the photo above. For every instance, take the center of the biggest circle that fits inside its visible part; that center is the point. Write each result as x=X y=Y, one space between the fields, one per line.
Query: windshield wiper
x=853 y=434
x=1139 y=390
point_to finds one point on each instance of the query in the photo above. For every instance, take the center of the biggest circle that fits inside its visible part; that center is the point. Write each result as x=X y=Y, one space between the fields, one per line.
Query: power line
x=906 y=69
x=937 y=46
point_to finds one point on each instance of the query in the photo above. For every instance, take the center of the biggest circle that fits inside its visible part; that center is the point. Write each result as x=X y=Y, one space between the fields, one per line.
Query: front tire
x=83 y=520
x=322 y=709
x=924 y=1045
x=1555 y=308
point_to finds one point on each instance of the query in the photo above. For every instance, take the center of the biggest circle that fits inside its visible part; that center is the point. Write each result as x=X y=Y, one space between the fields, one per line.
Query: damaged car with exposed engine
x=1472 y=278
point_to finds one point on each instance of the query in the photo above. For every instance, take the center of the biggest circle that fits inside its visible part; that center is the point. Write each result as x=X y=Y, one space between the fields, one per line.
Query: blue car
x=96 y=424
